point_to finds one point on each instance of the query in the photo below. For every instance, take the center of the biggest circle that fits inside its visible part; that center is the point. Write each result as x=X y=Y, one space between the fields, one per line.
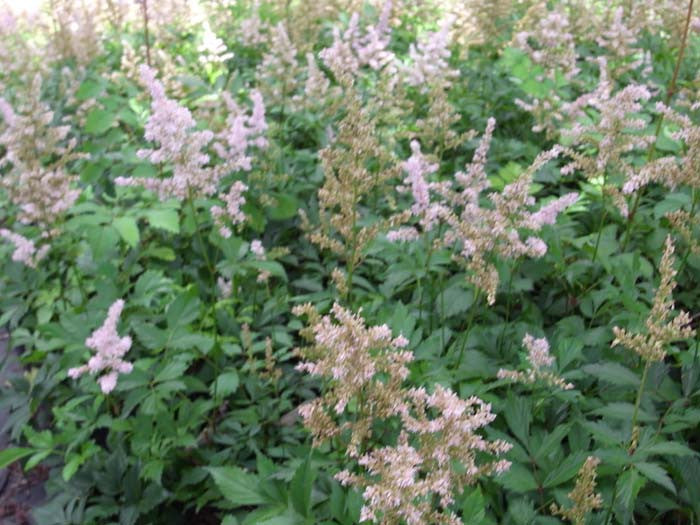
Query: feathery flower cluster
x=429 y=59
x=25 y=250
x=372 y=47
x=42 y=191
x=684 y=223
x=279 y=68
x=417 y=169
x=75 y=30
x=368 y=365
x=340 y=57
x=554 y=48
x=672 y=171
x=348 y=182
x=252 y=29
x=355 y=48
x=317 y=84
x=233 y=199
x=478 y=233
x=171 y=125
x=619 y=39
x=539 y=359
x=351 y=356
x=661 y=330
x=614 y=135
x=109 y=350
x=212 y=49
x=257 y=249
x=584 y=497
x=242 y=131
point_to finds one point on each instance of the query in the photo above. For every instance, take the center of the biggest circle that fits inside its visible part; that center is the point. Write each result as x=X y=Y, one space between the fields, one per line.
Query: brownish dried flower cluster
x=350 y=182
x=661 y=330
x=584 y=497
x=37 y=151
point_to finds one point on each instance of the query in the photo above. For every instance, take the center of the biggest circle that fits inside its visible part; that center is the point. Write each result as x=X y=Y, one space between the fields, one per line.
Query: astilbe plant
x=617 y=132
x=109 y=349
x=25 y=251
x=477 y=233
x=549 y=43
x=540 y=362
x=435 y=456
x=584 y=497
x=349 y=183
x=672 y=171
x=183 y=149
x=37 y=152
x=661 y=327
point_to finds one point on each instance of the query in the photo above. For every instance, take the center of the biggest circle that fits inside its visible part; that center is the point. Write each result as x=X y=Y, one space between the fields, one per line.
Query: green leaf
x=237 y=486
x=671 y=448
x=272 y=267
x=613 y=373
x=203 y=342
x=89 y=89
x=301 y=487
x=629 y=484
x=518 y=414
x=98 y=121
x=167 y=220
x=474 y=507
x=72 y=466
x=624 y=411
x=229 y=520
x=566 y=470
x=10 y=455
x=657 y=474
x=456 y=299
x=172 y=370
x=225 y=385
x=183 y=310
x=128 y=229
x=286 y=207
x=518 y=479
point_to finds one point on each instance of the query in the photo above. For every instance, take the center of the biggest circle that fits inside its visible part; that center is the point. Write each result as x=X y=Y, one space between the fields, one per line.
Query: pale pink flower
x=429 y=59
x=234 y=199
x=109 y=349
x=257 y=248
x=25 y=250
x=548 y=213
x=540 y=360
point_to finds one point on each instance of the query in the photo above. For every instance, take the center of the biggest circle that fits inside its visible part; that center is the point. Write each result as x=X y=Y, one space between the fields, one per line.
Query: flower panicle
x=109 y=350
x=661 y=328
x=540 y=363
x=583 y=496
x=367 y=366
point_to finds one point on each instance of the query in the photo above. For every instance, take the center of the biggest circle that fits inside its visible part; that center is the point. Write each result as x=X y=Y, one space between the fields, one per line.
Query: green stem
x=508 y=305
x=420 y=283
x=470 y=322
x=353 y=248
x=198 y=233
x=638 y=400
x=689 y=248
x=608 y=515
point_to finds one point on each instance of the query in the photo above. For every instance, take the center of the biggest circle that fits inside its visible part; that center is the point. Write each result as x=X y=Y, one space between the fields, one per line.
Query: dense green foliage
x=204 y=428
